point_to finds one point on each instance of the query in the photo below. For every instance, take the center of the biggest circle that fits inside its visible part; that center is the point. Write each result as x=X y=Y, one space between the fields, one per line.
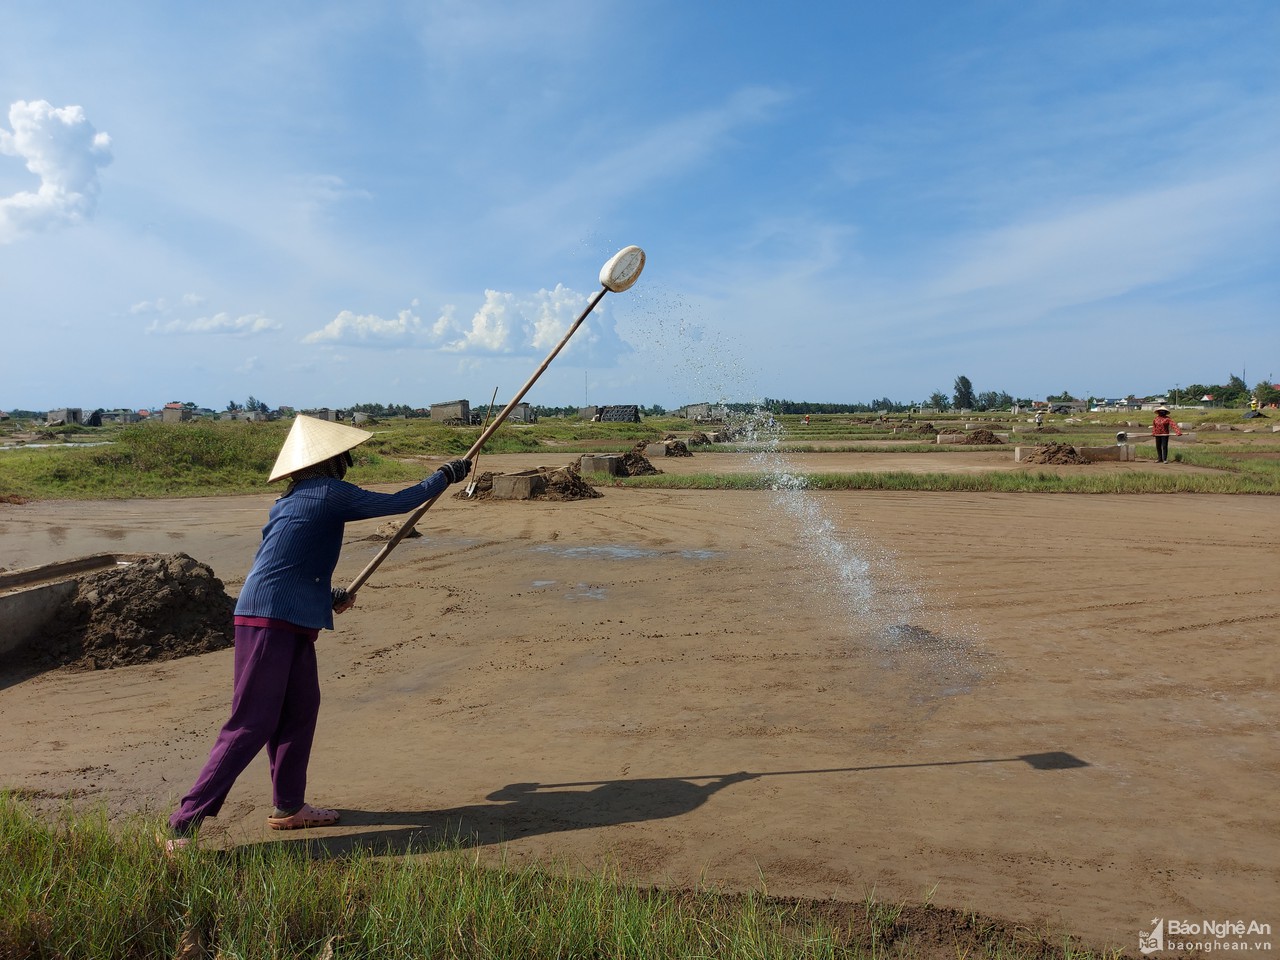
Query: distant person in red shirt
x=1160 y=428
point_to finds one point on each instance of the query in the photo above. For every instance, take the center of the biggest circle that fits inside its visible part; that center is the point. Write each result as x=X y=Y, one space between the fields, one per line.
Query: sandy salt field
x=1059 y=710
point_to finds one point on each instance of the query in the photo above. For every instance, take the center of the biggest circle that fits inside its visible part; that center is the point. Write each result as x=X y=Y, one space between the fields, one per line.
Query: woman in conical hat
x=286 y=600
x=1160 y=428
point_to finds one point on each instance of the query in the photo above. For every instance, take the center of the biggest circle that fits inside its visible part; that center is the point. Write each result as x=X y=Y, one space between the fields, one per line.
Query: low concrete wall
x=1116 y=452
x=518 y=486
x=25 y=613
x=31 y=598
x=602 y=463
x=655 y=450
x=951 y=438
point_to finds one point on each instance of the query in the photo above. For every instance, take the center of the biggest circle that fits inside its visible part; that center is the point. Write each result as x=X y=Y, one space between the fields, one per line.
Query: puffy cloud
x=505 y=323
x=60 y=147
x=370 y=330
x=220 y=323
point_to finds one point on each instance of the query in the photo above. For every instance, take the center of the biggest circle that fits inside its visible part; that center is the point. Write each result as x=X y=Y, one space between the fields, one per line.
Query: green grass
x=78 y=887
x=220 y=458
x=992 y=482
x=204 y=458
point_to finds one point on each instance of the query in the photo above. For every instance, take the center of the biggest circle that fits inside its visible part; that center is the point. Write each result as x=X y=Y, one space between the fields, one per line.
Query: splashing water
x=864 y=576
x=880 y=604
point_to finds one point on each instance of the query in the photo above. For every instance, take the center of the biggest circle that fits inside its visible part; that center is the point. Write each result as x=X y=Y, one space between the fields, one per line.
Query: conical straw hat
x=312 y=441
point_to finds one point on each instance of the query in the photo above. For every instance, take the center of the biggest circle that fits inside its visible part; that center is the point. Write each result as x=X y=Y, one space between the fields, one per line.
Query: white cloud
x=62 y=148
x=504 y=323
x=220 y=323
x=354 y=329
x=1115 y=246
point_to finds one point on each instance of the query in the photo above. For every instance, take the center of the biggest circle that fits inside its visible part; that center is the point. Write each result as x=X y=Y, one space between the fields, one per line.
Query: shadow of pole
x=521 y=810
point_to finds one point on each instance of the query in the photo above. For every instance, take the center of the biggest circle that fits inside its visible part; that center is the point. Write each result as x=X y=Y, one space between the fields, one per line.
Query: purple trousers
x=274 y=704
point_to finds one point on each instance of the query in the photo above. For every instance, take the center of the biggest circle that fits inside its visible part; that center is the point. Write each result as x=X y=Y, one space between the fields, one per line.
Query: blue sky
x=326 y=204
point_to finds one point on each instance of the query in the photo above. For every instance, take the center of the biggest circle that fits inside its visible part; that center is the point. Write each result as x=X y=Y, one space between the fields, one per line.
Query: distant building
x=522 y=413
x=175 y=413
x=620 y=413
x=452 y=412
x=65 y=416
x=702 y=411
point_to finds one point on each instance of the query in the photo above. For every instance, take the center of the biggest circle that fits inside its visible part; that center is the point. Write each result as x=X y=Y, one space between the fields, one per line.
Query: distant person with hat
x=287 y=599
x=1160 y=428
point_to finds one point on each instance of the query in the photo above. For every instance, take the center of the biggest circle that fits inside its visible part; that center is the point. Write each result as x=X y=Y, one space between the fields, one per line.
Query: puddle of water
x=584 y=591
x=619 y=552
x=55 y=446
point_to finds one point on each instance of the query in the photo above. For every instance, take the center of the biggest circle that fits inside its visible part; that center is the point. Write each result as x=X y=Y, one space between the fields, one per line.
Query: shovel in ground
x=470 y=491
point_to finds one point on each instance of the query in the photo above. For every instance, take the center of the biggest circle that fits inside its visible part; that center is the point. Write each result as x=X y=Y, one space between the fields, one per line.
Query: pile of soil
x=558 y=483
x=677 y=448
x=1055 y=453
x=566 y=483
x=636 y=464
x=698 y=440
x=388 y=530
x=980 y=437
x=1046 y=430
x=161 y=608
x=12 y=498
x=926 y=428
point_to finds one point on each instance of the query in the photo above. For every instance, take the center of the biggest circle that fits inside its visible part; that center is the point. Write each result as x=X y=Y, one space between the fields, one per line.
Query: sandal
x=303 y=818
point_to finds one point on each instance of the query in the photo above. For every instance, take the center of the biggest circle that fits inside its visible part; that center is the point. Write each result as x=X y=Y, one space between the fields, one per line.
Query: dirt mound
x=12 y=498
x=1046 y=430
x=567 y=484
x=926 y=428
x=558 y=483
x=980 y=437
x=1054 y=453
x=698 y=440
x=636 y=464
x=388 y=530
x=677 y=448
x=161 y=608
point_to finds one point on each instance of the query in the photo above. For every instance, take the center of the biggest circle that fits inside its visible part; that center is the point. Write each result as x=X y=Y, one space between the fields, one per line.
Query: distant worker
x=1253 y=404
x=806 y=419
x=1039 y=418
x=286 y=600
x=1160 y=428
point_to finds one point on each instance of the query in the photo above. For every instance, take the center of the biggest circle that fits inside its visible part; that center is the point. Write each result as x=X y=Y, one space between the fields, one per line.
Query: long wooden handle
x=407 y=527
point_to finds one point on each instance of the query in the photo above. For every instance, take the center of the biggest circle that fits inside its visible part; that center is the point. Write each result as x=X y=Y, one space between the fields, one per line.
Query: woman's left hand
x=342 y=601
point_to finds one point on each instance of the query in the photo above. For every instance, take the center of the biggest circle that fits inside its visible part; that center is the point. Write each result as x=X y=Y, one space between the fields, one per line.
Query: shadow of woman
x=515 y=811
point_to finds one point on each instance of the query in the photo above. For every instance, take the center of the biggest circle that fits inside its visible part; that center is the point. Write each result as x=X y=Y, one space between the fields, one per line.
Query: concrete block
x=1116 y=452
x=602 y=463
x=1275 y=428
x=655 y=449
x=29 y=611
x=518 y=486
x=951 y=438
x=32 y=597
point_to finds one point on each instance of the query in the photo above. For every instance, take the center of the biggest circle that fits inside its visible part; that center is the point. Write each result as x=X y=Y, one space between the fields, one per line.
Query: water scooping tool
x=618 y=274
